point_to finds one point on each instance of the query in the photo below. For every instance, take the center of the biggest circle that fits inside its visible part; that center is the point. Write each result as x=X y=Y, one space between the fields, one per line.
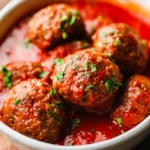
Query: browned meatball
x=124 y=45
x=54 y=24
x=135 y=102
x=15 y=72
x=34 y=109
x=88 y=80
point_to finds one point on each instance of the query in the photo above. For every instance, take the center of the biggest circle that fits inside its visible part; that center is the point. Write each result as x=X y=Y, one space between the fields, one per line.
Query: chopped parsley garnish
x=26 y=43
x=60 y=76
x=73 y=17
x=17 y=101
x=111 y=84
x=42 y=74
x=54 y=116
x=75 y=122
x=118 y=42
x=67 y=21
x=59 y=104
x=58 y=62
x=39 y=110
x=72 y=20
x=64 y=35
x=109 y=55
x=53 y=91
x=119 y=121
x=92 y=130
x=63 y=18
x=85 y=73
x=93 y=68
x=90 y=86
x=103 y=34
x=85 y=66
x=7 y=76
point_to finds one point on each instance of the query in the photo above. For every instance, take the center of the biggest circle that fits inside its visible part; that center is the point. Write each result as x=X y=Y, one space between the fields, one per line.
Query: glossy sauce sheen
x=91 y=128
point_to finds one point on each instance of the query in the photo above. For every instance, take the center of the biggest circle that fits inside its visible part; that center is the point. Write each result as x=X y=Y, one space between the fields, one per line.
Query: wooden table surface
x=5 y=144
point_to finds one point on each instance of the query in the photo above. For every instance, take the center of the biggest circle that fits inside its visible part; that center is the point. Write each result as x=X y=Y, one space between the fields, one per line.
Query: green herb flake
x=64 y=18
x=93 y=68
x=118 y=42
x=92 y=130
x=90 y=86
x=7 y=76
x=64 y=35
x=53 y=91
x=26 y=43
x=111 y=84
x=58 y=62
x=85 y=66
x=59 y=104
x=118 y=121
x=39 y=110
x=60 y=76
x=72 y=20
x=75 y=122
x=109 y=56
x=54 y=116
x=86 y=73
x=103 y=34
x=76 y=12
x=42 y=74
x=17 y=101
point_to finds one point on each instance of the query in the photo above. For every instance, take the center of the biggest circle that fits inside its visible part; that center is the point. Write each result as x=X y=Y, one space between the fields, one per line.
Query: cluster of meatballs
x=88 y=78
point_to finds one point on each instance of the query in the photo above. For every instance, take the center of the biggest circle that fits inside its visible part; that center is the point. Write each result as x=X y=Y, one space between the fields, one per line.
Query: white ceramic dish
x=8 y=16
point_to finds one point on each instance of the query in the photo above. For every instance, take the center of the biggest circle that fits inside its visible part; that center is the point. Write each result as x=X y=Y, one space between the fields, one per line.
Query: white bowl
x=8 y=16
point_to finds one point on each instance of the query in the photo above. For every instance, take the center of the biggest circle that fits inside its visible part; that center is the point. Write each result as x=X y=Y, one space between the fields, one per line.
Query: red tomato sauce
x=89 y=128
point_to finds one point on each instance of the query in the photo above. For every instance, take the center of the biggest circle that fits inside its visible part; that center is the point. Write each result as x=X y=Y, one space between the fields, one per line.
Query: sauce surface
x=87 y=127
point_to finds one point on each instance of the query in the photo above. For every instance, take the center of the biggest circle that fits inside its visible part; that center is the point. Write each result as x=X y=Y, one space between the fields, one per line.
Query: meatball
x=135 y=101
x=15 y=72
x=124 y=45
x=88 y=80
x=59 y=52
x=53 y=24
x=34 y=109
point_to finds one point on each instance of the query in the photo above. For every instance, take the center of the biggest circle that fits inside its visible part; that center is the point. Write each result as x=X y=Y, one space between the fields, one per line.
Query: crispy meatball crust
x=53 y=24
x=34 y=109
x=88 y=80
x=124 y=45
x=135 y=101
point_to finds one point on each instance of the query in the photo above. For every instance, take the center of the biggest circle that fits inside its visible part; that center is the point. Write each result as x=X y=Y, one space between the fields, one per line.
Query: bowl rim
x=136 y=131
